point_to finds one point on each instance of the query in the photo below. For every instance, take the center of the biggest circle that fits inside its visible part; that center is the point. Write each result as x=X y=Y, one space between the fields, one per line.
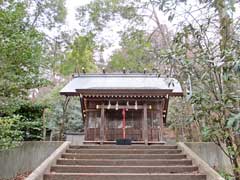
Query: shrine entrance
x=123 y=106
x=134 y=119
x=124 y=126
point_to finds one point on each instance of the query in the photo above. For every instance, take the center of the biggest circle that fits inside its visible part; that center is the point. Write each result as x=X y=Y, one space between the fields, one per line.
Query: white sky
x=72 y=5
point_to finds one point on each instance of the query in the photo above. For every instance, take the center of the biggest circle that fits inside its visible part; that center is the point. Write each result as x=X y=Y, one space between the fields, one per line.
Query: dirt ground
x=19 y=177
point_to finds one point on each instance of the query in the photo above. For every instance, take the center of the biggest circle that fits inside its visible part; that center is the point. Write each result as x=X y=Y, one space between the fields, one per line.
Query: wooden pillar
x=145 y=124
x=102 y=124
x=84 y=115
x=106 y=131
x=95 y=126
x=160 y=106
x=86 y=126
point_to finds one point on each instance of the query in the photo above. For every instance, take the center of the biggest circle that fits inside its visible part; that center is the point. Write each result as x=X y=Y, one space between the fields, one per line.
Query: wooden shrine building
x=127 y=106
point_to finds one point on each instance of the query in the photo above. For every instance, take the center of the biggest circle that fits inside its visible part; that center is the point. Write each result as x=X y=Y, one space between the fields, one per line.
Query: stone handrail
x=38 y=173
x=203 y=166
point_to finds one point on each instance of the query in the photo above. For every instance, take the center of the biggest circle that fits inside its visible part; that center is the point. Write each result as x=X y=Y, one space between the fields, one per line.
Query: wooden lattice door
x=114 y=125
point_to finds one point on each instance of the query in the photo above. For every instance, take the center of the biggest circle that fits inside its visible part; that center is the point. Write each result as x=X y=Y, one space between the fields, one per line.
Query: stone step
x=119 y=176
x=123 y=156
x=123 y=147
x=123 y=169
x=125 y=162
x=124 y=151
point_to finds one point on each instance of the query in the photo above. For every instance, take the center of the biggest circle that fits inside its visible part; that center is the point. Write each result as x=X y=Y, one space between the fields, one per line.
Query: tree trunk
x=44 y=124
x=234 y=158
x=63 y=119
x=236 y=170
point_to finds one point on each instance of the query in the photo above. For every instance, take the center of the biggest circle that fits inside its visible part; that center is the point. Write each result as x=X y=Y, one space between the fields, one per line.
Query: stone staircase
x=135 y=162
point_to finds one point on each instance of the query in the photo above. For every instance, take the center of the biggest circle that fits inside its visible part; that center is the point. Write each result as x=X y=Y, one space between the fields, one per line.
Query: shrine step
x=125 y=162
x=124 y=151
x=116 y=176
x=122 y=156
x=123 y=169
x=113 y=162
x=123 y=147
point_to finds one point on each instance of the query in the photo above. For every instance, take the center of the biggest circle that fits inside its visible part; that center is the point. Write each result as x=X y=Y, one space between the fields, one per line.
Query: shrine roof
x=122 y=82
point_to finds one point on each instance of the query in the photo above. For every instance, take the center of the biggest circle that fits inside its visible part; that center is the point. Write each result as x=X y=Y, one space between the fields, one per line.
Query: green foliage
x=30 y=122
x=234 y=122
x=54 y=111
x=20 y=52
x=25 y=123
x=208 y=55
x=95 y=15
x=135 y=54
x=73 y=121
x=22 y=65
x=225 y=175
x=80 y=55
x=46 y=13
x=10 y=134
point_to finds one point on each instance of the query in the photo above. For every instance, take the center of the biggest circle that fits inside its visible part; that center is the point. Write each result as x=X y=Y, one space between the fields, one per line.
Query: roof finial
x=124 y=70
x=103 y=70
x=83 y=70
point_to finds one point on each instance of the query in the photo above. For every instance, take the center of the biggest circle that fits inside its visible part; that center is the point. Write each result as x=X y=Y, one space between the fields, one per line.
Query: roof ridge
x=119 y=75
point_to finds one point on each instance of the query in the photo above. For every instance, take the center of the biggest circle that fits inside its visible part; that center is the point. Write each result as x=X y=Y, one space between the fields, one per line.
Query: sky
x=72 y=5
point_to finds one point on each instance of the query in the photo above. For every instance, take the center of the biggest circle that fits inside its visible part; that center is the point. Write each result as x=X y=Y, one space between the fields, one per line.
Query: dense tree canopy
x=20 y=53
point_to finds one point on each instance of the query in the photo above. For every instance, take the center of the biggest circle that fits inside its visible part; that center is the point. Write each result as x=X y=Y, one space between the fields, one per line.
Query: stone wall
x=75 y=139
x=25 y=158
x=211 y=154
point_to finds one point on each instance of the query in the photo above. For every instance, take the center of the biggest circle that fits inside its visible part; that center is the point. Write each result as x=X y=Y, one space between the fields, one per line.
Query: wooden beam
x=125 y=92
x=91 y=110
x=153 y=99
x=102 y=124
x=113 y=106
x=145 y=124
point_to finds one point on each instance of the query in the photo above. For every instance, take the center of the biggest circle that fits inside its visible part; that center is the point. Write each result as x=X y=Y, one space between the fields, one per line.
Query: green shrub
x=30 y=122
x=10 y=133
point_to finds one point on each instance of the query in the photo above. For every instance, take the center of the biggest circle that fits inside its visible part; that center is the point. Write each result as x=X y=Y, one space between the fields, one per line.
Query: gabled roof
x=122 y=82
